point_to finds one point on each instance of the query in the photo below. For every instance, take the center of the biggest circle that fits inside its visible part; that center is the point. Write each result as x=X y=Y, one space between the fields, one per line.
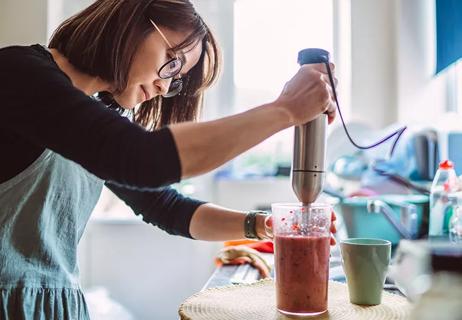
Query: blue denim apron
x=43 y=213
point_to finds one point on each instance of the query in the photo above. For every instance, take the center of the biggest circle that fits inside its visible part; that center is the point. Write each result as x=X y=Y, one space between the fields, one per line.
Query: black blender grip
x=313 y=55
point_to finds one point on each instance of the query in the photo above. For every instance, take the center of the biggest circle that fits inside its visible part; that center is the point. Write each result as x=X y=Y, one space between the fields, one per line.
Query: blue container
x=360 y=223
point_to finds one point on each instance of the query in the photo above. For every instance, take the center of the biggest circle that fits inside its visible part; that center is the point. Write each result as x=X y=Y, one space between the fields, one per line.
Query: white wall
x=219 y=17
x=373 y=62
x=342 y=53
x=393 y=63
x=253 y=194
x=421 y=94
x=143 y=268
x=23 y=22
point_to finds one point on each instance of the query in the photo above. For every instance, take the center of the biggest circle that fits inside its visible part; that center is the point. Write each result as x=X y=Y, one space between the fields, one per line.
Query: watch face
x=250 y=224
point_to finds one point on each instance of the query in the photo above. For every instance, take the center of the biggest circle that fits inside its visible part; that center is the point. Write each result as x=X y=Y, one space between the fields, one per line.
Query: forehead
x=191 y=54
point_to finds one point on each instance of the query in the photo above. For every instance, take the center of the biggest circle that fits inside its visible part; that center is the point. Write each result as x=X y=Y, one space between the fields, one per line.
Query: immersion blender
x=308 y=172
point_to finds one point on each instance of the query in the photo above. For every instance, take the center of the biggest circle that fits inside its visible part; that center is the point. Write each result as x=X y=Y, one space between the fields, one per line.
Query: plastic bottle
x=444 y=183
x=455 y=225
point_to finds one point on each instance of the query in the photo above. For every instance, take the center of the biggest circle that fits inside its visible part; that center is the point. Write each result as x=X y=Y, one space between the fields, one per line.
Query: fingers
x=332 y=67
x=321 y=67
x=333 y=228
x=331 y=107
x=331 y=116
x=269 y=222
x=333 y=217
x=332 y=241
x=326 y=79
x=331 y=110
x=308 y=94
x=269 y=227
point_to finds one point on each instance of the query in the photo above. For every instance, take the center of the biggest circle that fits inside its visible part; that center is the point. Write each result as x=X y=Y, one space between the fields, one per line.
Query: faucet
x=406 y=226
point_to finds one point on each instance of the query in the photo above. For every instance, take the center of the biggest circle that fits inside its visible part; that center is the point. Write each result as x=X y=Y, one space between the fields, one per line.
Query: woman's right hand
x=304 y=97
x=308 y=94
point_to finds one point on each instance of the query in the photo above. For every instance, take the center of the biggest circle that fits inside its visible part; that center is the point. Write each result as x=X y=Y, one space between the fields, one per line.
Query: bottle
x=444 y=184
x=455 y=225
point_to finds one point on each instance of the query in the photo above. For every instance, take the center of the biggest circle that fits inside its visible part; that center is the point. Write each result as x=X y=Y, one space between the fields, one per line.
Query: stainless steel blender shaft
x=308 y=172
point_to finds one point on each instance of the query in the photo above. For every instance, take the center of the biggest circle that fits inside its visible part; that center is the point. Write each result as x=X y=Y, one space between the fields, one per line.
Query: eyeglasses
x=170 y=69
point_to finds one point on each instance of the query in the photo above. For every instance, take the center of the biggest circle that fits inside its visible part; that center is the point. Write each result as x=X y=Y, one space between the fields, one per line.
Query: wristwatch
x=250 y=224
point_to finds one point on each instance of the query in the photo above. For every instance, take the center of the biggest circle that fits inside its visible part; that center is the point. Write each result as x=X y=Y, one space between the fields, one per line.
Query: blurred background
x=386 y=62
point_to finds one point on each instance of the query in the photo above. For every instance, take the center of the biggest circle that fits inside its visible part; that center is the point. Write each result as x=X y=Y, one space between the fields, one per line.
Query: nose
x=162 y=85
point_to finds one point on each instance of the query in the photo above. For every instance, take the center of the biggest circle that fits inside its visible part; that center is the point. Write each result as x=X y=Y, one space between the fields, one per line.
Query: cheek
x=142 y=73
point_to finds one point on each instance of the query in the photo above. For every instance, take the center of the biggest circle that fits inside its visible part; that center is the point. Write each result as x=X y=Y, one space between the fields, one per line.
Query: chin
x=130 y=98
x=126 y=104
x=130 y=107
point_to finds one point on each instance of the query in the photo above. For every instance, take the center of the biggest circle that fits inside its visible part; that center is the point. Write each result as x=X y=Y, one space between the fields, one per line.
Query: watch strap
x=250 y=224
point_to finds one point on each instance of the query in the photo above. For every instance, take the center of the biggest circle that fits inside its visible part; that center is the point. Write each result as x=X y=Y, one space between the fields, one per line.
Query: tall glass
x=302 y=249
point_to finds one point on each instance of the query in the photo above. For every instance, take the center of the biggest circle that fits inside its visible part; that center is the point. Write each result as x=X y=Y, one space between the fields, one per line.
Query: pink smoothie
x=302 y=273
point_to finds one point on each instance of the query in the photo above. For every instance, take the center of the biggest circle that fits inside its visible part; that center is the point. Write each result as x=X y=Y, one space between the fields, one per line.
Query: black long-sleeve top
x=40 y=108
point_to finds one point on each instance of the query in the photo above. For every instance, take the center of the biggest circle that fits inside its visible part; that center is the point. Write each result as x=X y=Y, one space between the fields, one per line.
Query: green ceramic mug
x=365 y=262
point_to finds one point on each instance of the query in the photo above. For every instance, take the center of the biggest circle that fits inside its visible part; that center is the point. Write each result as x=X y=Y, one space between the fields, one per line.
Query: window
x=267 y=37
x=449 y=48
x=458 y=86
x=453 y=75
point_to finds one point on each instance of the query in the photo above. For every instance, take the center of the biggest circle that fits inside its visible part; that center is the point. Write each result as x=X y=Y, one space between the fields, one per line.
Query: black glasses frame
x=177 y=84
x=175 y=88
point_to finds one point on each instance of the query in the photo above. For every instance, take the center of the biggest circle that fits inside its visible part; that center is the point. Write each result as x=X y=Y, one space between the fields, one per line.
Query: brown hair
x=102 y=39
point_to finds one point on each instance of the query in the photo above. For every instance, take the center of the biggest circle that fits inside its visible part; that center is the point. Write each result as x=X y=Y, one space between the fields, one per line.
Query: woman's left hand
x=267 y=230
x=333 y=228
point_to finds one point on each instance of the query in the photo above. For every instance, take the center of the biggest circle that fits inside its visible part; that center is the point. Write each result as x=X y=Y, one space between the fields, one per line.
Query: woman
x=60 y=144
